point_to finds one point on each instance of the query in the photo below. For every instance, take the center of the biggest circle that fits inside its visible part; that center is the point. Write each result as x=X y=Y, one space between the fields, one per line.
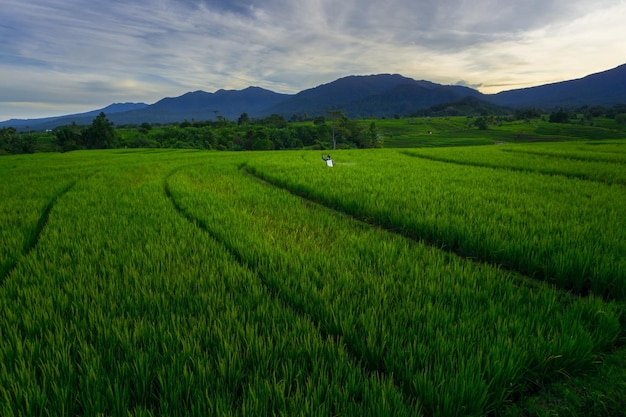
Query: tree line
x=270 y=133
x=274 y=132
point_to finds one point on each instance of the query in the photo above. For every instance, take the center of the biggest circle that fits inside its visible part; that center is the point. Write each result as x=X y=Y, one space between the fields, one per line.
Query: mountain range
x=382 y=95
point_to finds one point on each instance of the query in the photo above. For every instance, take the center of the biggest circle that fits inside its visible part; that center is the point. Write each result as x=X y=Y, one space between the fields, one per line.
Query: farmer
x=328 y=160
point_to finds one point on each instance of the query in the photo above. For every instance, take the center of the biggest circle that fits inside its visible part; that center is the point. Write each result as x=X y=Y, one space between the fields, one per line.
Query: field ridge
x=268 y=247
x=523 y=278
x=181 y=283
x=538 y=170
x=458 y=234
x=31 y=243
x=573 y=157
x=276 y=292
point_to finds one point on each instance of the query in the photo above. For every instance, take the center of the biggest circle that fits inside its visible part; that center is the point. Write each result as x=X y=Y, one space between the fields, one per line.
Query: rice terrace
x=419 y=279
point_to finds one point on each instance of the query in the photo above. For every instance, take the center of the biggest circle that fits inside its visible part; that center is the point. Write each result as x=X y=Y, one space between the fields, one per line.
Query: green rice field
x=407 y=282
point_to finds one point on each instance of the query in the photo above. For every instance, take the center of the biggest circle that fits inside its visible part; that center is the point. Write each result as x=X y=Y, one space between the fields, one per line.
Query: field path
x=457 y=336
x=31 y=243
x=278 y=293
x=615 y=174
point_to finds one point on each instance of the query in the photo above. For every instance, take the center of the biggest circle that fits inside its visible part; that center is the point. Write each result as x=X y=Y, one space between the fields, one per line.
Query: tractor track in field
x=276 y=292
x=31 y=243
x=583 y=177
x=571 y=157
x=522 y=277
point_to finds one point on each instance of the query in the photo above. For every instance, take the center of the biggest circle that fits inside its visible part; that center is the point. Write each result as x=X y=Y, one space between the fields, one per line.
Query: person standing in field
x=328 y=160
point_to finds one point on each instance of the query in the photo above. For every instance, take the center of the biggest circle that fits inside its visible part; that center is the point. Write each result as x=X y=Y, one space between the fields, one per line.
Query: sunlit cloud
x=58 y=54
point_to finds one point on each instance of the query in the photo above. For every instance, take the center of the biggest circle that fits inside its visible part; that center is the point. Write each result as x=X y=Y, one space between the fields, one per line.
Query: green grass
x=597 y=392
x=544 y=226
x=581 y=164
x=124 y=306
x=459 y=131
x=151 y=282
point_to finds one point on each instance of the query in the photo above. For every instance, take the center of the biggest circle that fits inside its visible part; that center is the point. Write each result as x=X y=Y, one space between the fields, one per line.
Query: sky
x=67 y=56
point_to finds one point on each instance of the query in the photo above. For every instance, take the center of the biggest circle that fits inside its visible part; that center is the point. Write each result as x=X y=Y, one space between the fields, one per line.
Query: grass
x=180 y=283
x=460 y=131
x=401 y=309
x=578 y=164
x=124 y=307
x=597 y=392
x=524 y=221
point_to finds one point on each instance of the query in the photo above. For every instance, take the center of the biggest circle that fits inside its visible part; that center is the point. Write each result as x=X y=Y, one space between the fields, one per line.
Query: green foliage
x=14 y=143
x=519 y=225
x=588 y=161
x=164 y=282
x=400 y=308
x=527 y=114
x=100 y=135
x=253 y=134
x=597 y=392
x=68 y=137
x=6 y=136
x=481 y=123
x=560 y=116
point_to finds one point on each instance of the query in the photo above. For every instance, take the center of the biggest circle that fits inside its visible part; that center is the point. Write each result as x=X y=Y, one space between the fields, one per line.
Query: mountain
x=605 y=88
x=466 y=106
x=369 y=95
x=407 y=98
x=200 y=105
x=382 y=95
x=78 y=118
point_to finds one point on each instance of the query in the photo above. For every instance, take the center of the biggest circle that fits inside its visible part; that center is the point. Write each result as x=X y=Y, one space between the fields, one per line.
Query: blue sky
x=66 y=56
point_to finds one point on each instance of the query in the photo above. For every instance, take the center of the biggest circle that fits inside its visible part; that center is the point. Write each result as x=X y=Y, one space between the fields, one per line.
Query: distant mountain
x=407 y=98
x=370 y=95
x=605 y=88
x=466 y=106
x=338 y=94
x=200 y=105
x=382 y=95
x=79 y=118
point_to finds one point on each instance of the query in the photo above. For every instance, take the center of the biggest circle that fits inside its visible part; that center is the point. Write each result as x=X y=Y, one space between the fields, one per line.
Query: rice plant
x=564 y=230
x=178 y=283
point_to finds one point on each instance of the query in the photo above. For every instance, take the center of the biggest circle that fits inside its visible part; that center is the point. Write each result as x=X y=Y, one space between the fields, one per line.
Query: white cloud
x=77 y=52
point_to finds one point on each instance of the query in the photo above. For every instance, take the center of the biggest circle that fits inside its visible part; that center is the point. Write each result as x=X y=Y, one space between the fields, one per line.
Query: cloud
x=75 y=52
x=464 y=83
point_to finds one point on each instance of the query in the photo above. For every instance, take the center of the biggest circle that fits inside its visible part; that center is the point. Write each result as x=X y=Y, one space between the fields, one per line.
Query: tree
x=374 y=139
x=68 y=137
x=6 y=136
x=275 y=120
x=101 y=134
x=12 y=142
x=481 y=123
x=527 y=114
x=560 y=116
x=338 y=119
x=24 y=144
x=243 y=119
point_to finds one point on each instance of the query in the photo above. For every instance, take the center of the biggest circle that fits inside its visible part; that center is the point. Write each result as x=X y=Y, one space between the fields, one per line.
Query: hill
x=201 y=105
x=466 y=106
x=78 y=118
x=370 y=96
x=382 y=95
x=605 y=88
